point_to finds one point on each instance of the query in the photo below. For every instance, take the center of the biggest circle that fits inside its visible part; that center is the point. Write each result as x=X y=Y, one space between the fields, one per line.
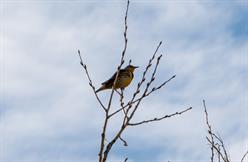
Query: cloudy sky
x=49 y=113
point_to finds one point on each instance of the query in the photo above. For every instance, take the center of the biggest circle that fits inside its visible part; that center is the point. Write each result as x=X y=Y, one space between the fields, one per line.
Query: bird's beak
x=135 y=67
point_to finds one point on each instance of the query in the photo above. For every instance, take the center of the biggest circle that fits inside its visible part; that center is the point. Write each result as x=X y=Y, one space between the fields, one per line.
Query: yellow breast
x=124 y=80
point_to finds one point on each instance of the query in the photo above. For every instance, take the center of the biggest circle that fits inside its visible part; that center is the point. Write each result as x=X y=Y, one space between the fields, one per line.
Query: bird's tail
x=100 y=89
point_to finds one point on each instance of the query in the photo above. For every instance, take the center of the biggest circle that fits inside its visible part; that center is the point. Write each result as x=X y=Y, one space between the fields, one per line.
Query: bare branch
x=121 y=99
x=104 y=154
x=146 y=89
x=145 y=72
x=103 y=135
x=129 y=105
x=137 y=91
x=161 y=85
x=110 y=144
x=90 y=81
x=222 y=146
x=122 y=57
x=216 y=143
x=155 y=69
x=147 y=94
x=244 y=156
x=126 y=160
x=118 y=92
x=105 y=147
x=124 y=142
x=161 y=118
x=219 y=154
x=209 y=132
x=217 y=149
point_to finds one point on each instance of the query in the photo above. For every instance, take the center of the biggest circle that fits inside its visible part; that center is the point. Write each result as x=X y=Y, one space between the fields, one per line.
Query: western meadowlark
x=124 y=79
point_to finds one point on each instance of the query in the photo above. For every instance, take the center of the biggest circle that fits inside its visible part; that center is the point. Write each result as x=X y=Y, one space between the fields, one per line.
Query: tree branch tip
x=158 y=59
x=160 y=42
x=78 y=51
x=130 y=61
x=244 y=156
x=126 y=160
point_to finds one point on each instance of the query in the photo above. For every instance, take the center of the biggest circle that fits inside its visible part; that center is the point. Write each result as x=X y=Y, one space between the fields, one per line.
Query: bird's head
x=131 y=68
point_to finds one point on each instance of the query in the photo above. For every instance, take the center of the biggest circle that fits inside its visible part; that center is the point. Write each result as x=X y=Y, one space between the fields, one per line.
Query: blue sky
x=49 y=113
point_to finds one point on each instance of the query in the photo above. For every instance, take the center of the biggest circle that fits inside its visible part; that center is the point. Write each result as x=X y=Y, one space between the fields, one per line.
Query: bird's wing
x=112 y=79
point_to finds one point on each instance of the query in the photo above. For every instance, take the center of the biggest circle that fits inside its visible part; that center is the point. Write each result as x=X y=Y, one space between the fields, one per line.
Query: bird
x=125 y=77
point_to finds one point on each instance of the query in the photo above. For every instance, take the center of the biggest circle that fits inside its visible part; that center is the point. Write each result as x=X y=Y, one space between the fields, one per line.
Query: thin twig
x=90 y=81
x=222 y=146
x=146 y=89
x=127 y=118
x=117 y=92
x=161 y=118
x=218 y=154
x=126 y=160
x=122 y=102
x=217 y=144
x=121 y=99
x=161 y=85
x=137 y=91
x=104 y=154
x=217 y=150
x=244 y=156
x=145 y=72
x=110 y=144
x=147 y=94
x=209 y=131
x=124 y=142
x=103 y=135
x=105 y=149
